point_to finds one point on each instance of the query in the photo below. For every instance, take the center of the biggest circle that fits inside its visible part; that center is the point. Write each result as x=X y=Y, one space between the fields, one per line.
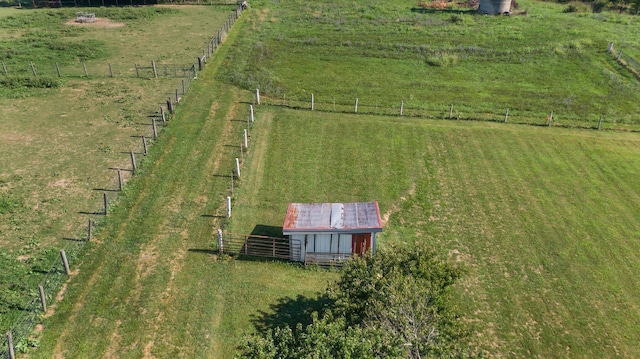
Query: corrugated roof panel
x=336 y=217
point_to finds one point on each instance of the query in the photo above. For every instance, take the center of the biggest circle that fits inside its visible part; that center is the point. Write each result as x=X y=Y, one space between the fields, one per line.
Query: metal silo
x=494 y=7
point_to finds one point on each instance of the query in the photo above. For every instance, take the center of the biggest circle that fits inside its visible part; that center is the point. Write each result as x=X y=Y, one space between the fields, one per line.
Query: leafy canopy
x=394 y=304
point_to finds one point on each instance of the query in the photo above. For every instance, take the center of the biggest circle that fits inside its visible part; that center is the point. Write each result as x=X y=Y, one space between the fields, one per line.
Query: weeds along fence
x=460 y=111
x=19 y=339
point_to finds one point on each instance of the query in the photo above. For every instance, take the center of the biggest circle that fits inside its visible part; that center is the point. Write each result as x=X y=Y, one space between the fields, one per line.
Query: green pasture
x=60 y=146
x=536 y=61
x=544 y=219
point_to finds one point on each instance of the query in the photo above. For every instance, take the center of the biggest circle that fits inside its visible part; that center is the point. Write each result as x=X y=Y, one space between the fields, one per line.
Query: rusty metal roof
x=357 y=217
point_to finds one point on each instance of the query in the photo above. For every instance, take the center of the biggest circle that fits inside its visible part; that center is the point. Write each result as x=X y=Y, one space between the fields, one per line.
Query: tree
x=394 y=304
x=402 y=292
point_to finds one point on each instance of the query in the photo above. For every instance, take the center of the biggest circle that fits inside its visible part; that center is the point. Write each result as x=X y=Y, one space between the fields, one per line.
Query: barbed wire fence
x=438 y=111
x=18 y=339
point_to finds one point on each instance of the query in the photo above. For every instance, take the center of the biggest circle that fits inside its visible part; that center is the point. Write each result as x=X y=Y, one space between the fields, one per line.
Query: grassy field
x=60 y=144
x=384 y=52
x=544 y=218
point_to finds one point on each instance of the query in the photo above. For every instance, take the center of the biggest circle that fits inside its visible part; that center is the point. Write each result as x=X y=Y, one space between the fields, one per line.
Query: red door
x=360 y=243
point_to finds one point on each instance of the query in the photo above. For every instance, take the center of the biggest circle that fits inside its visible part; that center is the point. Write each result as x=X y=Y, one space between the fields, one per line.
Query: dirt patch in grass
x=100 y=22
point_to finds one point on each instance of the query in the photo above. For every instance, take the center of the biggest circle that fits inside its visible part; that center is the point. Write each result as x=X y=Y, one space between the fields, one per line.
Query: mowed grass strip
x=150 y=284
x=544 y=219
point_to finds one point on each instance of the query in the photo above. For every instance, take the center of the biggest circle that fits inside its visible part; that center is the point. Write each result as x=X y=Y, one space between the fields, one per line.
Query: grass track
x=150 y=284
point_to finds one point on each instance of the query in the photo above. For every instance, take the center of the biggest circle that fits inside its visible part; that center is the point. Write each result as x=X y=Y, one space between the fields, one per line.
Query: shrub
x=570 y=8
x=14 y=82
x=598 y=5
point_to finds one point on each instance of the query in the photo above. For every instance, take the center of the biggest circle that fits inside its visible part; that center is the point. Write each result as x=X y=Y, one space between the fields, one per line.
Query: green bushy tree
x=394 y=304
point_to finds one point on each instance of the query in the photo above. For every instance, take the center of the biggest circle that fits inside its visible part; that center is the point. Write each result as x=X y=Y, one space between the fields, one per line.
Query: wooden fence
x=260 y=246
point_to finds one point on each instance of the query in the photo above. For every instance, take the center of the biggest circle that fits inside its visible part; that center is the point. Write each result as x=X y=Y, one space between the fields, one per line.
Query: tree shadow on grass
x=289 y=312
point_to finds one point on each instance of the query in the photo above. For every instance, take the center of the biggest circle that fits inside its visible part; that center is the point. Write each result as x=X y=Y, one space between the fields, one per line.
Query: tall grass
x=543 y=61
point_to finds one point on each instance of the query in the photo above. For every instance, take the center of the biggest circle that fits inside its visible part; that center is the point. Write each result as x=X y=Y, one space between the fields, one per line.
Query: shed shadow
x=289 y=312
x=203 y=251
x=266 y=230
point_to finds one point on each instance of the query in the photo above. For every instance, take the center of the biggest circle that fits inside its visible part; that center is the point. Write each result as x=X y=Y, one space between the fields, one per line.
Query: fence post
x=4 y=68
x=311 y=102
x=238 y=167
x=84 y=67
x=110 y=71
x=251 y=111
x=164 y=119
x=228 y=207
x=89 y=229
x=610 y=48
x=220 y=243
x=144 y=145
x=506 y=116
x=12 y=353
x=155 y=72
x=550 y=119
x=137 y=73
x=119 y=179
x=177 y=98
x=169 y=105
x=155 y=129
x=451 y=111
x=184 y=89
x=33 y=69
x=401 y=107
x=246 y=140
x=356 y=108
x=257 y=96
x=58 y=70
x=600 y=122
x=65 y=263
x=43 y=299
x=199 y=63
x=105 y=203
x=133 y=162
x=619 y=54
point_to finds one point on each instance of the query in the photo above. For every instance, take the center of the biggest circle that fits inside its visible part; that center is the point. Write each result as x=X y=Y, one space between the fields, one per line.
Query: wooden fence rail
x=262 y=246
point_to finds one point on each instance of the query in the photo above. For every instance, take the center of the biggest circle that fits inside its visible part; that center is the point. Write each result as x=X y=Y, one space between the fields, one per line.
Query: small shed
x=332 y=232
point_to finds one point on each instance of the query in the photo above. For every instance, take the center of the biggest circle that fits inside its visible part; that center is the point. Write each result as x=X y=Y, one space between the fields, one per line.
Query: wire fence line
x=53 y=280
x=92 y=3
x=459 y=111
x=94 y=70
